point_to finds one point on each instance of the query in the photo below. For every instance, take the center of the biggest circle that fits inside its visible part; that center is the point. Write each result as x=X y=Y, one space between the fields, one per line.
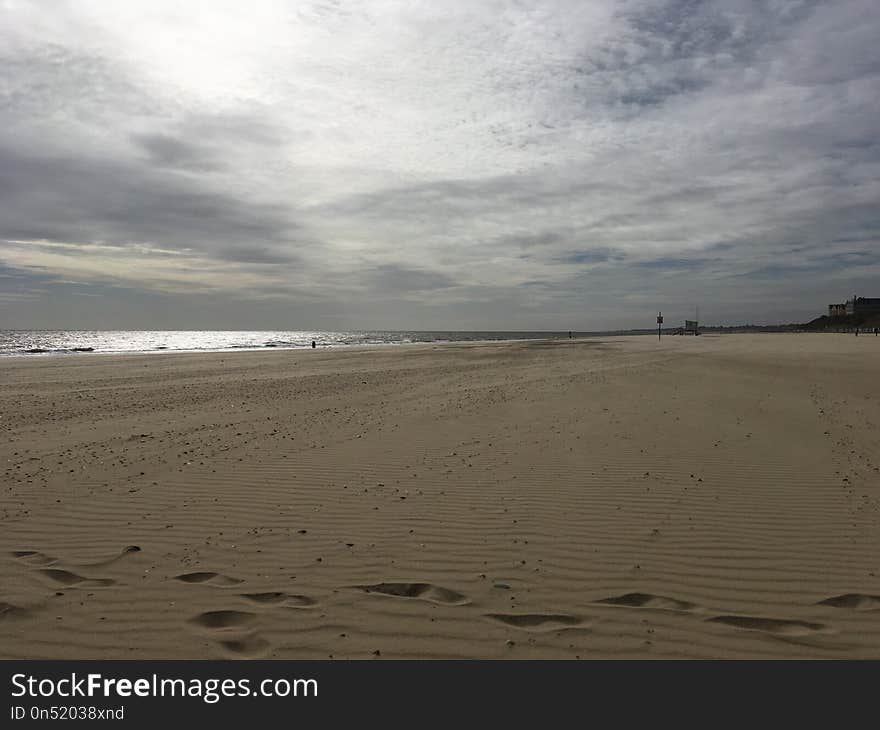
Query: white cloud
x=539 y=158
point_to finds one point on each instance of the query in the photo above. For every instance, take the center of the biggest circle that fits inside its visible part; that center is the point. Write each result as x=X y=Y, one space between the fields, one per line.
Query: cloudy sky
x=467 y=164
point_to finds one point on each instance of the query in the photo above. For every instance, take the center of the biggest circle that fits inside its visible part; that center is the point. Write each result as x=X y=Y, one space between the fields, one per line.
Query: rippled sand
x=701 y=497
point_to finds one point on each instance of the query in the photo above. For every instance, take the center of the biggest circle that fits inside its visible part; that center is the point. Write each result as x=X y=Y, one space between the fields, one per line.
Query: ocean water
x=55 y=342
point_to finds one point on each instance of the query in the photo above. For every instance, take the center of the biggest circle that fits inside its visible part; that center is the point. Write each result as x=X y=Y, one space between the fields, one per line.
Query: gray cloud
x=560 y=165
x=393 y=278
x=81 y=199
x=167 y=151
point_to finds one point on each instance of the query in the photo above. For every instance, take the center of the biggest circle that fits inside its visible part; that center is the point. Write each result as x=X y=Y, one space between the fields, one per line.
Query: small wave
x=48 y=342
x=45 y=351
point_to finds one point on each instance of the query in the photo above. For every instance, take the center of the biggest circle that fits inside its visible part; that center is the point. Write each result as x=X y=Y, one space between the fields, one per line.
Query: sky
x=465 y=164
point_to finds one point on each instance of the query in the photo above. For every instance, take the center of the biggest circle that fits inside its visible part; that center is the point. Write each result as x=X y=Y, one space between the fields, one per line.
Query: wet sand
x=699 y=497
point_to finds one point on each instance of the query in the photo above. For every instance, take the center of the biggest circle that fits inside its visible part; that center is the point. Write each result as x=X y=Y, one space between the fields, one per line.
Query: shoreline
x=334 y=347
x=263 y=348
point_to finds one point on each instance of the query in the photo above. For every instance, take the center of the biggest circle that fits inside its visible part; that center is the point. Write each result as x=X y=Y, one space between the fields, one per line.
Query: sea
x=42 y=343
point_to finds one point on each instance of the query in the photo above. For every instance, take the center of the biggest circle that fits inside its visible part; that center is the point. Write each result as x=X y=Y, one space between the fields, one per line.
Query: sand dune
x=699 y=497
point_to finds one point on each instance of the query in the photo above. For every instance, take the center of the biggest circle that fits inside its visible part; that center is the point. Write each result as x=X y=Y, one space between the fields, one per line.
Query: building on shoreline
x=856 y=305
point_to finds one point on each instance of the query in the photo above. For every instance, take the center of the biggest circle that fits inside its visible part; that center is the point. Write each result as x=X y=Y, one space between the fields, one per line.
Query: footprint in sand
x=420 y=591
x=277 y=598
x=227 y=626
x=11 y=611
x=127 y=550
x=246 y=647
x=854 y=601
x=37 y=558
x=649 y=600
x=33 y=557
x=225 y=619
x=775 y=626
x=213 y=579
x=538 y=621
x=66 y=578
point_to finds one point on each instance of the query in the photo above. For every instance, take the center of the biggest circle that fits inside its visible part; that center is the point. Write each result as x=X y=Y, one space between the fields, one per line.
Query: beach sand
x=699 y=497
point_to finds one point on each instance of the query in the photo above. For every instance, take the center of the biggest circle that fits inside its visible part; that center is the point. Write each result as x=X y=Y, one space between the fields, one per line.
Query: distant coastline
x=60 y=342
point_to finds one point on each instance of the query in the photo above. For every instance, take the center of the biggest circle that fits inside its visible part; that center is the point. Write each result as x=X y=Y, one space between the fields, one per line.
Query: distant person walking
x=313 y=344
